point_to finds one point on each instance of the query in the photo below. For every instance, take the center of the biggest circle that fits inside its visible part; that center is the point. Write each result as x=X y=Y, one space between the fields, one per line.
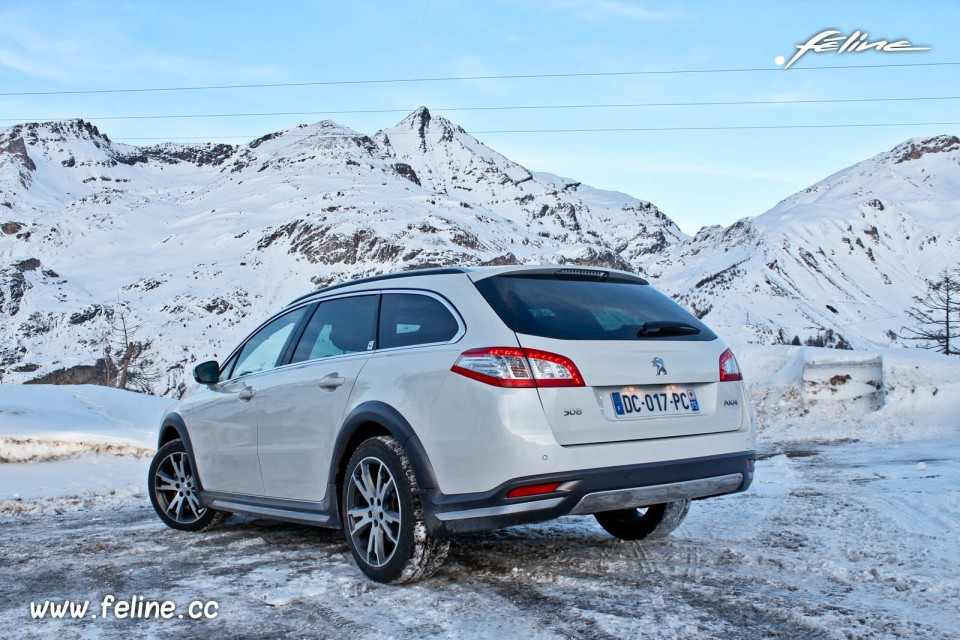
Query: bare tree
x=128 y=363
x=937 y=315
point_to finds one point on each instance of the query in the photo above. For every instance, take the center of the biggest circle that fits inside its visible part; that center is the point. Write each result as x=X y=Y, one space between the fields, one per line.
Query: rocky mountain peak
x=919 y=147
x=56 y=132
x=428 y=130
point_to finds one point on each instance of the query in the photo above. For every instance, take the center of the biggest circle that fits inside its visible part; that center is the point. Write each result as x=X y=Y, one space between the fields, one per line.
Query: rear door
x=302 y=404
x=650 y=368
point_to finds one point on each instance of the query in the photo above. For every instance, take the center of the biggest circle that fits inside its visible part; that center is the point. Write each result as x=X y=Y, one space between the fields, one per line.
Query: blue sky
x=697 y=177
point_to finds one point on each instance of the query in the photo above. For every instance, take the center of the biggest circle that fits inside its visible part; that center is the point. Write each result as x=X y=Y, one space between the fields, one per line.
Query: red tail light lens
x=729 y=369
x=499 y=366
x=514 y=367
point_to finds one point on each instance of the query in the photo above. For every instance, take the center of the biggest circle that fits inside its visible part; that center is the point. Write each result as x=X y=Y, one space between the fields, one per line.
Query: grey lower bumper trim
x=268 y=512
x=485 y=512
x=657 y=494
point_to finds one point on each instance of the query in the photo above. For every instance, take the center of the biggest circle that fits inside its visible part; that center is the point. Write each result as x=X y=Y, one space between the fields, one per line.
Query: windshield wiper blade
x=667 y=328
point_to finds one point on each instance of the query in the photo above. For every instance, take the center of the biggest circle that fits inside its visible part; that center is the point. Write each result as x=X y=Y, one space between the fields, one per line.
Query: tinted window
x=344 y=325
x=265 y=348
x=408 y=319
x=589 y=309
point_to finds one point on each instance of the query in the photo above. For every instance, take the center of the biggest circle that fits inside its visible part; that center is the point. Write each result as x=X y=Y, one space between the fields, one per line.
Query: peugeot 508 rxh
x=410 y=407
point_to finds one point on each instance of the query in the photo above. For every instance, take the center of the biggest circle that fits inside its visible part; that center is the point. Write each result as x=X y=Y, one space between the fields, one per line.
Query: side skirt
x=318 y=514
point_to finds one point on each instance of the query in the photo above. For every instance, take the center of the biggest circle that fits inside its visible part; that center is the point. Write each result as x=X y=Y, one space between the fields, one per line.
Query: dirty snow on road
x=850 y=531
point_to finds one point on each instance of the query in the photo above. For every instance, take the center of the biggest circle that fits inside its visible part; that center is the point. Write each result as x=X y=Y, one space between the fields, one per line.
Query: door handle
x=247 y=393
x=331 y=382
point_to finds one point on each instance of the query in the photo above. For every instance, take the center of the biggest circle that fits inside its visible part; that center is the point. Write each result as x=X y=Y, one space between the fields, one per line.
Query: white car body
x=274 y=442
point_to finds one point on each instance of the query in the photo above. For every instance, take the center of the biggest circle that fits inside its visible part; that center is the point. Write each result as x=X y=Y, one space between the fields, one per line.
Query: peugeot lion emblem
x=661 y=368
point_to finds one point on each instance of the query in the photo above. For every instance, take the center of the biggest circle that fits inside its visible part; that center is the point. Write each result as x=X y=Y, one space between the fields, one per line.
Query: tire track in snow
x=808 y=553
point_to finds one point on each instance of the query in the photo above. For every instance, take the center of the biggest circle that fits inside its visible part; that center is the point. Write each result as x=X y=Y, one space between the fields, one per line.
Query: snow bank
x=40 y=422
x=917 y=395
x=70 y=446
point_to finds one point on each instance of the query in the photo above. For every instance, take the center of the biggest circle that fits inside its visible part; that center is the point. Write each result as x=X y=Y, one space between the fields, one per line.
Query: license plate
x=647 y=403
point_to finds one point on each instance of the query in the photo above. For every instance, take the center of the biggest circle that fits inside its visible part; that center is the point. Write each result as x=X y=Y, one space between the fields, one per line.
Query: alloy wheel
x=373 y=511
x=175 y=488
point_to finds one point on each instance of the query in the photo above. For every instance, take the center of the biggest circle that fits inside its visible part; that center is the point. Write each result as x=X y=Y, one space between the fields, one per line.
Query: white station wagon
x=410 y=407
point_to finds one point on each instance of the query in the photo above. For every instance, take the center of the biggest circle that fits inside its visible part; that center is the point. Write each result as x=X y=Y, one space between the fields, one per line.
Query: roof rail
x=436 y=271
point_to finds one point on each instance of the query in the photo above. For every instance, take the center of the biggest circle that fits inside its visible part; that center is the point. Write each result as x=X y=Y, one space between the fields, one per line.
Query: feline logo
x=856 y=42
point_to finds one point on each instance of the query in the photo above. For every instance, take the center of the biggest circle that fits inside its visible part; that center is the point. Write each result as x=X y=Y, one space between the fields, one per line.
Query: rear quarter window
x=408 y=319
x=569 y=309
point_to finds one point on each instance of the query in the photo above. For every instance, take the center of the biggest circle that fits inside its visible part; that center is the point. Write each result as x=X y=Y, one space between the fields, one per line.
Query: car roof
x=480 y=273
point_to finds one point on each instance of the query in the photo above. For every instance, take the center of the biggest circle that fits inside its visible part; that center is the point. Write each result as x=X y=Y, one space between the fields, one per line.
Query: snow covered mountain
x=200 y=242
x=836 y=263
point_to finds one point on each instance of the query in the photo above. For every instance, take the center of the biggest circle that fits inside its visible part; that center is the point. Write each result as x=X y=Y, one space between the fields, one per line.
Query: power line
x=502 y=108
x=594 y=130
x=525 y=76
x=726 y=128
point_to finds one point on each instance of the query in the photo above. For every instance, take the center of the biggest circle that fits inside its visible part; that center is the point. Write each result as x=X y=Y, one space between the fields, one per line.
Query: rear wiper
x=667 y=328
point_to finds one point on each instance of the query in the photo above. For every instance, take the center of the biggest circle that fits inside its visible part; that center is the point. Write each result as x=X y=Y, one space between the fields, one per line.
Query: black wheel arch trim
x=174 y=422
x=384 y=415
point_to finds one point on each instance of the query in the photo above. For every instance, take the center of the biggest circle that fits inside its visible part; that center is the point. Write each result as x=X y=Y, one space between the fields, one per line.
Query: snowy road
x=847 y=540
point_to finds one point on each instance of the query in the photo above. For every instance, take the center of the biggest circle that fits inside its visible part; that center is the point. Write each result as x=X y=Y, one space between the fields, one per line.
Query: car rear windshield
x=572 y=309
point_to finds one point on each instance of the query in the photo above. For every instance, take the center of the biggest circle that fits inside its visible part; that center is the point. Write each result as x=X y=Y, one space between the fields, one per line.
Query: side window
x=343 y=325
x=265 y=348
x=408 y=319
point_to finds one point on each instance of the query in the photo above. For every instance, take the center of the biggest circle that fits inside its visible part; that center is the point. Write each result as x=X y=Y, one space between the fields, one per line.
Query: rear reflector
x=729 y=369
x=533 y=490
x=514 y=367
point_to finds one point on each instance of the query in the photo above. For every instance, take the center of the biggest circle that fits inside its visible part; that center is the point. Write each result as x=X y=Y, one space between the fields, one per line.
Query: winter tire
x=174 y=491
x=655 y=521
x=383 y=517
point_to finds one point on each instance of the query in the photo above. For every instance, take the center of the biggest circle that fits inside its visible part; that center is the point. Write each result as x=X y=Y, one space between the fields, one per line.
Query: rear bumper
x=589 y=491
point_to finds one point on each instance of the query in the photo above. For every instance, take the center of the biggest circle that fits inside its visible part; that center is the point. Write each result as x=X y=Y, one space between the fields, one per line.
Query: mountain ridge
x=198 y=242
x=842 y=258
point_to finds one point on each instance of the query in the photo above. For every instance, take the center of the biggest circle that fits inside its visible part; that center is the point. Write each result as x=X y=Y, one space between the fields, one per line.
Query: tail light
x=514 y=367
x=729 y=369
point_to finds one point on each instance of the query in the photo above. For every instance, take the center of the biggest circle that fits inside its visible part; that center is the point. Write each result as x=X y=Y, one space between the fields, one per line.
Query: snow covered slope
x=843 y=257
x=201 y=242
x=47 y=422
x=65 y=447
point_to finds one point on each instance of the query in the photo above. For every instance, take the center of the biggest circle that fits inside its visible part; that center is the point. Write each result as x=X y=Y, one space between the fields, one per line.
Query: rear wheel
x=383 y=517
x=174 y=491
x=655 y=521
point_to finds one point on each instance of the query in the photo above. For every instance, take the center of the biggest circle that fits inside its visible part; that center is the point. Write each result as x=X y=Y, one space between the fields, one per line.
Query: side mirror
x=207 y=372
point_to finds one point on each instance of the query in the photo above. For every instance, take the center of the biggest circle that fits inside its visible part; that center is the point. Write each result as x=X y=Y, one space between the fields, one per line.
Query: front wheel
x=383 y=517
x=655 y=521
x=174 y=491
